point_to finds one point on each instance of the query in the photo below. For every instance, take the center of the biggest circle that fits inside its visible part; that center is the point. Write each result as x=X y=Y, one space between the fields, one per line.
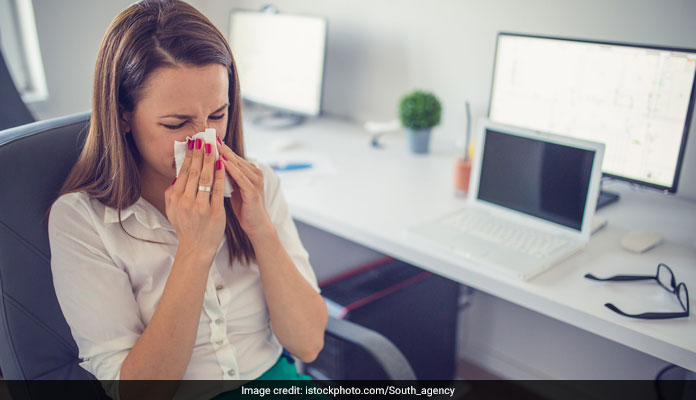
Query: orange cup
x=462 y=172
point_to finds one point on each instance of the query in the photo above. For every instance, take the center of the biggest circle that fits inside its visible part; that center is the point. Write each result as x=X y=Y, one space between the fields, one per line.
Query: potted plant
x=419 y=111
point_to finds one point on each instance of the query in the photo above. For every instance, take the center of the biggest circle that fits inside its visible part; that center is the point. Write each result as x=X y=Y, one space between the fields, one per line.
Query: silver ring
x=202 y=188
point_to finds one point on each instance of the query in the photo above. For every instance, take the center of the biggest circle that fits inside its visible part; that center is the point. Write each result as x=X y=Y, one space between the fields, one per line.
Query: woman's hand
x=248 y=199
x=198 y=217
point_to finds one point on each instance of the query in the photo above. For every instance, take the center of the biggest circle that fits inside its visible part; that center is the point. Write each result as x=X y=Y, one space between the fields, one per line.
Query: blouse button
x=218 y=287
x=230 y=372
x=219 y=321
x=219 y=342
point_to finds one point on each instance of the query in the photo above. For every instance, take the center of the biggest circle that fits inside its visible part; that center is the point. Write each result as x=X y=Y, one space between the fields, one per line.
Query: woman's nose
x=200 y=126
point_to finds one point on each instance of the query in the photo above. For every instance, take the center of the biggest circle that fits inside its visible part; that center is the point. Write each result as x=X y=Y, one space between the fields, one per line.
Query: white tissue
x=207 y=136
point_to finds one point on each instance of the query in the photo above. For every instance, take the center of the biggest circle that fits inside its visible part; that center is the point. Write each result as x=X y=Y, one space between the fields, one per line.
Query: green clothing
x=282 y=371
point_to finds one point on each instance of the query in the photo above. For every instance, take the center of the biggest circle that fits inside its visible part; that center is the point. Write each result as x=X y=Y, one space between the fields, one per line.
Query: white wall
x=379 y=49
x=70 y=32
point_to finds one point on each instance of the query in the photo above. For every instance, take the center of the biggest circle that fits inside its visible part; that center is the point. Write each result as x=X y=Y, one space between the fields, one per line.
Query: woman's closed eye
x=175 y=127
x=181 y=125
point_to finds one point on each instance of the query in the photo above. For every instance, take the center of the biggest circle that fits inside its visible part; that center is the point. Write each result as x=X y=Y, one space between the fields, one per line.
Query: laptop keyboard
x=505 y=233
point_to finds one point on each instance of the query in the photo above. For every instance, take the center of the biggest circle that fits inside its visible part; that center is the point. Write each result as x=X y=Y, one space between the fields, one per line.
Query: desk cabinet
x=415 y=309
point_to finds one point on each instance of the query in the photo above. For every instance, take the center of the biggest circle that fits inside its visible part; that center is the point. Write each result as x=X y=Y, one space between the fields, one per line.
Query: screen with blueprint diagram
x=637 y=100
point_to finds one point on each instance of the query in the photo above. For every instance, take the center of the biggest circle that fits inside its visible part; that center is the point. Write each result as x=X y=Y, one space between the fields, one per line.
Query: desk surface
x=376 y=194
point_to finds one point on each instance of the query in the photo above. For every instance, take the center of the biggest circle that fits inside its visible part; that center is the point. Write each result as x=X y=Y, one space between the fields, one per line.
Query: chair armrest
x=375 y=344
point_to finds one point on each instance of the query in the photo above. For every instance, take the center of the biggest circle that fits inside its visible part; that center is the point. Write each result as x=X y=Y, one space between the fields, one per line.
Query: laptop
x=530 y=204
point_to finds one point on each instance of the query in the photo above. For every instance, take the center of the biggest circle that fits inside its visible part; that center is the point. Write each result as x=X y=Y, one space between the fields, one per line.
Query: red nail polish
x=199 y=143
x=208 y=148
x=190 y=144
x=218 y=164
x=173 y=181
x=223 y=157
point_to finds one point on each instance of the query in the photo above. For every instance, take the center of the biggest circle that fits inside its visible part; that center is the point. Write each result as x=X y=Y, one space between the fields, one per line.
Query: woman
x=158 y=276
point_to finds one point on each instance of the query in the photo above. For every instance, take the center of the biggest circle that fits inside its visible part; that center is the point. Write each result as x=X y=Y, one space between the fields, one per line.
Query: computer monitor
x=636 y=99
x=280 y=59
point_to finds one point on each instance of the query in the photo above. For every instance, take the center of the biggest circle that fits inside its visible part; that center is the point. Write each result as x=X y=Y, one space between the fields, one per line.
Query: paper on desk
x=322 y=164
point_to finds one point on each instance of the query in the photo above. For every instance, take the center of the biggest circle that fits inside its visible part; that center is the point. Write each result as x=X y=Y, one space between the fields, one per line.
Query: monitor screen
x=280 y=59
x=637 y=100
x=546 y=180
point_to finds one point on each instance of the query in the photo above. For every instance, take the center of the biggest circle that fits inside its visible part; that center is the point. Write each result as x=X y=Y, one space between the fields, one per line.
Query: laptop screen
x=546 y=180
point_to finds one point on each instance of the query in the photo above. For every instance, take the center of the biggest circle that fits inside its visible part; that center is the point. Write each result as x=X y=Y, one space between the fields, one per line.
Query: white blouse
x=108 y=285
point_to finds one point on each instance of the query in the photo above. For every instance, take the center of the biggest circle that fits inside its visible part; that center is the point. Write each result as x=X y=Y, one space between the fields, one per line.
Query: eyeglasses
x=665 y=277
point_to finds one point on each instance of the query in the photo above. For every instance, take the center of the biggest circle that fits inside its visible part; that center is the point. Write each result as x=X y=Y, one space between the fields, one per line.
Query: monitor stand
x=278 y=120
x=606 y=198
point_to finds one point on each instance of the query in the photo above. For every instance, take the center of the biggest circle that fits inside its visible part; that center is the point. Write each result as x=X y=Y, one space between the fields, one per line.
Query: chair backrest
x=13 y=111
x=35 y=340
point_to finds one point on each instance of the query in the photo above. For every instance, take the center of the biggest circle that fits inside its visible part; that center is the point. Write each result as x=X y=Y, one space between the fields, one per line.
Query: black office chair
x=13 y=111
x=35 y=340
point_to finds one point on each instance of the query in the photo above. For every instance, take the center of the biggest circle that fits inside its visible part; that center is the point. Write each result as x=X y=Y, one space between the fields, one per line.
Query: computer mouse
x=283 y=144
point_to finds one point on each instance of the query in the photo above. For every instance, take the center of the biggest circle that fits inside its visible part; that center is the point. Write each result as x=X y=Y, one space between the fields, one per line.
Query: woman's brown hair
x=146 y=36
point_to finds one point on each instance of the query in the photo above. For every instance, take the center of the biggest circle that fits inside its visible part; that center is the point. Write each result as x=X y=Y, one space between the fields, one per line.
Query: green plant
x=419 y=110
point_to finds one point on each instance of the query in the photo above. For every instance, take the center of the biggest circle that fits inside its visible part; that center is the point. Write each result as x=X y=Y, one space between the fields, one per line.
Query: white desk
x=376 y=194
